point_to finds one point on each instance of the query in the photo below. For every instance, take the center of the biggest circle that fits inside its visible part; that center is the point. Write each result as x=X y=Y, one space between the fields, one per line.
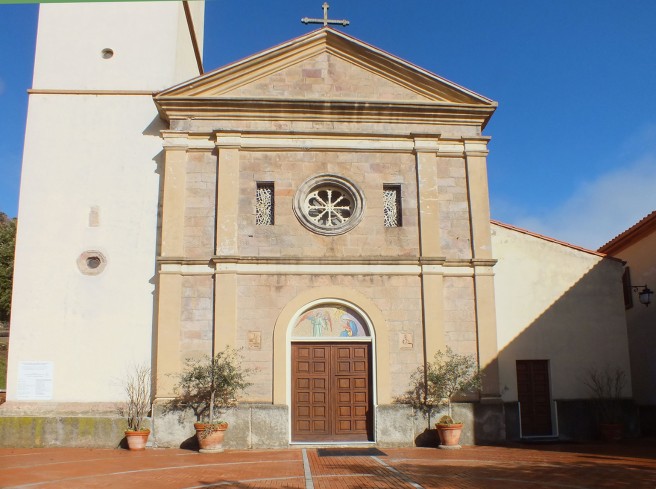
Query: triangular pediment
x=326 y=65
x=325 y=76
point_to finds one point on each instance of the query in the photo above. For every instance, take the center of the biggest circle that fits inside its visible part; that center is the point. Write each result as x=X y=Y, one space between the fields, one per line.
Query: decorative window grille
x=264 y=204
x=328 y=206
x=392 y=205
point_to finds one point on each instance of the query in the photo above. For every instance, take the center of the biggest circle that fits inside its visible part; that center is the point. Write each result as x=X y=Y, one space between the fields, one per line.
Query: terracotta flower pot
x=210 y=437
x=137 y=439
x=449 y=435
x=611 y=431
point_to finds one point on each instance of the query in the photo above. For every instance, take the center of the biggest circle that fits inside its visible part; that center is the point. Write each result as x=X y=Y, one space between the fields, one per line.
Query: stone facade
x=418 y=284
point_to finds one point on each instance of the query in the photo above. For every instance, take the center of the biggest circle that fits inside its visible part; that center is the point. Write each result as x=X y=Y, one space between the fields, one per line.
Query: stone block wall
x=260 y=298
x=288 y=238
x=453 y=198
x=329 y=77
x=460 y=315
x=249 y=426
x=197 y=316
x=200 y=199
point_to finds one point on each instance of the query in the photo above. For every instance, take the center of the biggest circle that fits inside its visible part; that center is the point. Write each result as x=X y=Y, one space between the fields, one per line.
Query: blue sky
x=573 y=151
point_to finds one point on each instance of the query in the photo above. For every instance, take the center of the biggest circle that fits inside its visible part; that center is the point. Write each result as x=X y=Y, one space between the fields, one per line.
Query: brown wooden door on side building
x=331 y=398
x=534 y=397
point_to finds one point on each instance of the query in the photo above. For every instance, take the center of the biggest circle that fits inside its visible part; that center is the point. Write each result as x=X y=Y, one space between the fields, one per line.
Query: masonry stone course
x=196 y=321
x=325 y=75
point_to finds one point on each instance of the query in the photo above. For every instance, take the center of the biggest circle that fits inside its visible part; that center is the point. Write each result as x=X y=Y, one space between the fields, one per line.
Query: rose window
x=328 y=207
x=328 y=204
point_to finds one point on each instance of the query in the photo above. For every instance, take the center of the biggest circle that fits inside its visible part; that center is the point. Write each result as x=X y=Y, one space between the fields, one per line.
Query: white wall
x=88 y=326
x=150 y=40
x=93 y=150
x=559 y=304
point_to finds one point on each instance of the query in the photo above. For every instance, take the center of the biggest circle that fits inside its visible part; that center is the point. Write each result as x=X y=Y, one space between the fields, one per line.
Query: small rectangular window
x=392 y=205
x=264 y=204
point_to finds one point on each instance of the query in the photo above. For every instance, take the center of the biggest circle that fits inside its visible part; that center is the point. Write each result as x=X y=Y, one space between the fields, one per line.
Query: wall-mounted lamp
x=644 y=295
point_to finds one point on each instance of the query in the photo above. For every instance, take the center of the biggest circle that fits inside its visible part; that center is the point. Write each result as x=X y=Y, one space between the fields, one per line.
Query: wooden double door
x=331 y=398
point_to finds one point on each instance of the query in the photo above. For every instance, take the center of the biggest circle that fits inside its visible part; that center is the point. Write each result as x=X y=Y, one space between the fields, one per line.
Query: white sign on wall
x=34 y=381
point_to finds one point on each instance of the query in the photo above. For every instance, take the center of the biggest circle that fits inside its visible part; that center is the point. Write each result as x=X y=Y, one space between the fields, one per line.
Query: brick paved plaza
x=627 y=465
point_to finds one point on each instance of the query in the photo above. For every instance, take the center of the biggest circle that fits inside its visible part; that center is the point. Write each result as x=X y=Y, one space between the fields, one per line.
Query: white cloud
x=602 y=208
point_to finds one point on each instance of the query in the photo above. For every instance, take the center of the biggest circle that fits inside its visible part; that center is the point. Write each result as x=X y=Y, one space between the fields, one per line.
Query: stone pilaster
x=227 y=215
x=479 y=197
x=227 y=194
x=169 y=305
x=173 y=202
x=169 y=286
x=225 y=310
x=430 y=248
x=479 y=207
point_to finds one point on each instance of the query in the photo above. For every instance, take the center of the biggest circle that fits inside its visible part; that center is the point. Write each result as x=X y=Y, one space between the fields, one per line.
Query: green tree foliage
x=436 y=384
x=209 y=385
x=7 y=245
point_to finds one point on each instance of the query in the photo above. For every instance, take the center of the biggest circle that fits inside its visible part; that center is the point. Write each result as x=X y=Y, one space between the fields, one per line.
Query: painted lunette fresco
x=330 y=322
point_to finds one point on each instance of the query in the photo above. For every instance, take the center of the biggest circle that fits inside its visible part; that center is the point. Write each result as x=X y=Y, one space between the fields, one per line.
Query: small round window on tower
x=107 y=53
x=91 y=262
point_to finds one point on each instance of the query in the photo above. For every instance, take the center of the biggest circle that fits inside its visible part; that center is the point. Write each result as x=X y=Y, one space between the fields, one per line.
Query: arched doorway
x=332 y=373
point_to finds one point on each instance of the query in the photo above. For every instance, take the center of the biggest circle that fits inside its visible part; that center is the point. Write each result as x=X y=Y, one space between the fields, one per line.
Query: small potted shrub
x=435 y=385
x=137 y=407
x=606 y=389
x=208 y=386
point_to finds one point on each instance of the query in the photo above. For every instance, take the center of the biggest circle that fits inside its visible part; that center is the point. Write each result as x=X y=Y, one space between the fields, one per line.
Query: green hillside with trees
x=7 y=245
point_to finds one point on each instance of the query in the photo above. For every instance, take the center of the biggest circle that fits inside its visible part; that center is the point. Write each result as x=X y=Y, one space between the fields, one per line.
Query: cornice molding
x=371 y=260
x=212 y=108
x=233 y=265
x=314 y=141
x=318 y=260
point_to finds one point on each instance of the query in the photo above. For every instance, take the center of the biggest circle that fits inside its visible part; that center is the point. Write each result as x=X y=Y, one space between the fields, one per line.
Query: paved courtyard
x=627 y=465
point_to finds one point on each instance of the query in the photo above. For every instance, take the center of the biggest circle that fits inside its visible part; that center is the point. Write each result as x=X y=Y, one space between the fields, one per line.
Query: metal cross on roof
x=325 y=21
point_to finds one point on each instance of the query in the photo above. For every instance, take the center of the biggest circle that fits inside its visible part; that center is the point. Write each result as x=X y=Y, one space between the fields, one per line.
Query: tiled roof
x=635 y=233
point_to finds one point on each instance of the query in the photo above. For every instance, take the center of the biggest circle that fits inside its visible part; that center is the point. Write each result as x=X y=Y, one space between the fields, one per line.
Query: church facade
x=324 y=208
x=318 y=185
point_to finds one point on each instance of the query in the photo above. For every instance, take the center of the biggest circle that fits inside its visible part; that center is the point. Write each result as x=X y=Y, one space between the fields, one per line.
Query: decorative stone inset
x=254 y=340
x=406 y=340
x=329 y=204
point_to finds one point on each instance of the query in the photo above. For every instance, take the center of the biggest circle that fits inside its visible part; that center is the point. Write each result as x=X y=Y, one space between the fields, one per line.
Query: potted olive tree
x=434 y=386
x=137 y=406
x=208 y=386
x=606 y=389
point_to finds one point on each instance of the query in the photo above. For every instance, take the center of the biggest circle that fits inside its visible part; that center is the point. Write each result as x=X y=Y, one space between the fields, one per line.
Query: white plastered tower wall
x=93 y=134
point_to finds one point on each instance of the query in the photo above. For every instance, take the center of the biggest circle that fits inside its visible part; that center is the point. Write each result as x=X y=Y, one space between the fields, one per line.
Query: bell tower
x=89 y=199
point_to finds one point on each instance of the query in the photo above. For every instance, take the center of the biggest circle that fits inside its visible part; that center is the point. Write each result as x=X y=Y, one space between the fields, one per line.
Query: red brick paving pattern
x=630 y=465
x=574 y=467
x=352 y=472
